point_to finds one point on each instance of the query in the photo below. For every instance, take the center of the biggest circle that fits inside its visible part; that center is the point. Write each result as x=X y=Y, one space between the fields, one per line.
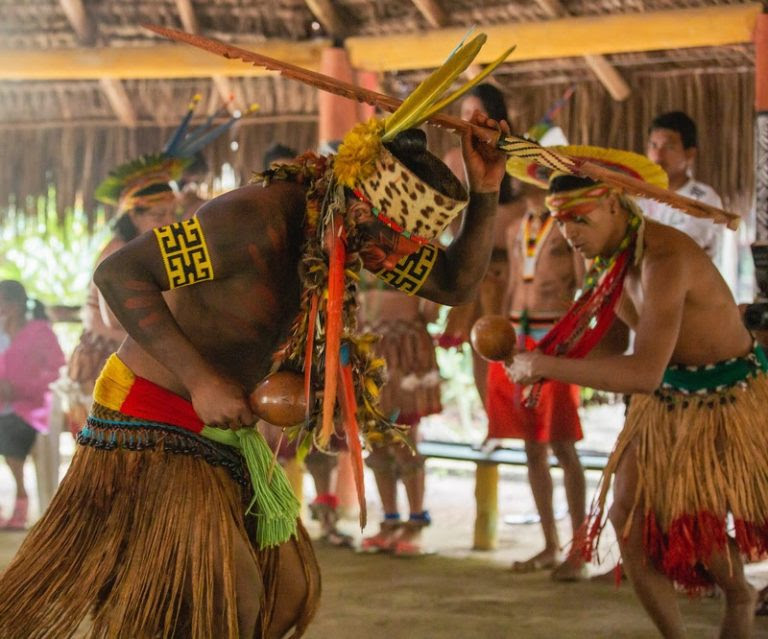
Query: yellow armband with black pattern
x=185 y=253
x=412 y=271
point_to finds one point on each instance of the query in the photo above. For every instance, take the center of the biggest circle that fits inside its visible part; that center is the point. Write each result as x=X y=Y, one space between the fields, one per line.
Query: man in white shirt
x=672 y=143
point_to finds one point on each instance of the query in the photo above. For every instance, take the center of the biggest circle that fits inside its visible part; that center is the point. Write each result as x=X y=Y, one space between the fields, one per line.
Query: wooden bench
x=487 y=478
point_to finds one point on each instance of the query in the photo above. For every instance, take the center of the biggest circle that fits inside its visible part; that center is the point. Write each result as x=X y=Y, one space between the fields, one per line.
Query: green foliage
x=53 y=258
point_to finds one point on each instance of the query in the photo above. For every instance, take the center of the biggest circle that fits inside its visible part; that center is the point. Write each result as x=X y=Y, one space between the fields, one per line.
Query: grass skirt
x=140 y=535
x=701 y=457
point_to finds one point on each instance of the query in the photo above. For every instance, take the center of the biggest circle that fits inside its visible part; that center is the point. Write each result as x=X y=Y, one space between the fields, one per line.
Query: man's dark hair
x=679 y=122
x=410 y=147
x=569 y=183
x=277 y=151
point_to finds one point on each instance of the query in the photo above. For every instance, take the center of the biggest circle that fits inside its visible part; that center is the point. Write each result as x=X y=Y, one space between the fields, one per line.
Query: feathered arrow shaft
x=510 y=144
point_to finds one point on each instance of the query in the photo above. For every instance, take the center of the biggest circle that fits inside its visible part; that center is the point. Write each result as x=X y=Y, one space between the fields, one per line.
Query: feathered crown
x=184 y=144
x=124 y=185
x=623 y=162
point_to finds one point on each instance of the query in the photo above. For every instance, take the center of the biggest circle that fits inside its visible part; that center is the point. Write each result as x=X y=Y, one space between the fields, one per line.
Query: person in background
x=144 y=203
x=545 y=272
x=488 y=100
x=673 y=144
x=412 y=391
x=28 y=365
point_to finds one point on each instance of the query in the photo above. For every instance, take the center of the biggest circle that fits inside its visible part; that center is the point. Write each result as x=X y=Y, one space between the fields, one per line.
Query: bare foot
x=545 y=560
x=572 y=569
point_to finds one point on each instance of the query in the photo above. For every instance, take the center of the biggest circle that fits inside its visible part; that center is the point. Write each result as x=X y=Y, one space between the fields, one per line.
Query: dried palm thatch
x=66 y=134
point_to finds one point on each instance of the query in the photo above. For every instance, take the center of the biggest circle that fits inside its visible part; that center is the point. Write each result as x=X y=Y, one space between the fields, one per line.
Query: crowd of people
x=192 y=304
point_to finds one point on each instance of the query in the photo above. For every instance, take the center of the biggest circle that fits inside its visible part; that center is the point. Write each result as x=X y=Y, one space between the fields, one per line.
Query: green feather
x=109 y=190
x=413 y=109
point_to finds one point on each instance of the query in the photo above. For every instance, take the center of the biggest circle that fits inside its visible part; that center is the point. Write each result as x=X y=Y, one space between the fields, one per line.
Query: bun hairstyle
x=410 y=147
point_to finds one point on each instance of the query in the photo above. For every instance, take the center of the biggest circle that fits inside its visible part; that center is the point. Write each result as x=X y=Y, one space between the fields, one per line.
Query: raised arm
x=459 y=268
x=664 y=287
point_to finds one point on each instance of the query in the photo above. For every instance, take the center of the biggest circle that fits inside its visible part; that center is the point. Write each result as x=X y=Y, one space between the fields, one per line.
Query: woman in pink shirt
x=27 y=367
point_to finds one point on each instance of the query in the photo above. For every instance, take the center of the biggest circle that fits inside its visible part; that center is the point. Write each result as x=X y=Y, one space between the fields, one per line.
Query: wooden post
x=486 y=499
x=336 y=115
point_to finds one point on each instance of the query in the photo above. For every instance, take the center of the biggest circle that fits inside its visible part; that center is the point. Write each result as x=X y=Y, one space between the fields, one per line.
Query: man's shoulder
x=276 y=198
x=666 y=243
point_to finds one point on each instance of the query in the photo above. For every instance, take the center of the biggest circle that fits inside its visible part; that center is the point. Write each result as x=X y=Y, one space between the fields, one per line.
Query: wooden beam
x=78 y=18
x=562 y=38
x=327 y=15
x=161 y=61
x=610 y=78
x=119 y=101
x=565 y=37
x=187 y=16
x=432 y=12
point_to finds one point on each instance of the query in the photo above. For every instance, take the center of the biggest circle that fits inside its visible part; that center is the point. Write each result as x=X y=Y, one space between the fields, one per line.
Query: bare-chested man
x=544 y=273
x=148 y=528
x=693 y=448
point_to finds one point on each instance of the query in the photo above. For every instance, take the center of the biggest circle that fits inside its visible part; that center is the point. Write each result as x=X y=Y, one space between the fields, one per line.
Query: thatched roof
x=67 y=132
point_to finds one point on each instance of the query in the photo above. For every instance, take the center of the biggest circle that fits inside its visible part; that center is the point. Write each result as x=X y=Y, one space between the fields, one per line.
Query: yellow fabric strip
x=412 y=271
x=185 y=253
x=113 y=384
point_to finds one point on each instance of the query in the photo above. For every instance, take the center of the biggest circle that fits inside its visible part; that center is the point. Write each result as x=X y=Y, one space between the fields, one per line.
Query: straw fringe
x=699 y=458
x=144 y=541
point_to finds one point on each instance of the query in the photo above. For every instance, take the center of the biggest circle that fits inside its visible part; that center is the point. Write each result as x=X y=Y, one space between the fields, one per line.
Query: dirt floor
x=463 y=594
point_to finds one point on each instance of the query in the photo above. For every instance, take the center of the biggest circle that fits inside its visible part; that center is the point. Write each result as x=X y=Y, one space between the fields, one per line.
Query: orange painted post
x=336 y=115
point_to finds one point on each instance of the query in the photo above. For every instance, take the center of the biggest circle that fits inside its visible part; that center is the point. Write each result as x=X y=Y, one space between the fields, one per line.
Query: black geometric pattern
x=412 y=271
x=185 y=253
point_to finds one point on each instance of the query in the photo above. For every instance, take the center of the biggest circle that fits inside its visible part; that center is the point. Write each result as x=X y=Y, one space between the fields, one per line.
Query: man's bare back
x=235 y=322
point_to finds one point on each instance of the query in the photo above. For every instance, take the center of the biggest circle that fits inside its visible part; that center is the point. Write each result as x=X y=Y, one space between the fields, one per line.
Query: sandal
x=409 y=544
x=385 y=539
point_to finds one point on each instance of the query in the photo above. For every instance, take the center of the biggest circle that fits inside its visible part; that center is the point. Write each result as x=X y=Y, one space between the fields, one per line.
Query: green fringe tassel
x=274 y=504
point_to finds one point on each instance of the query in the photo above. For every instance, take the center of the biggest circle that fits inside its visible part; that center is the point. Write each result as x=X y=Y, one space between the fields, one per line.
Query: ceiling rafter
x=328 y=16
x=80 y=20
x=432 y=12
x=115 y=92
x=609 y=77
x=190 y=23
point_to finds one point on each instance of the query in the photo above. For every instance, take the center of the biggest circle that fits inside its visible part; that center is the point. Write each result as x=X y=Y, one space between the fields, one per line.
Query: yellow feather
x=412 y=111
x=474 y=81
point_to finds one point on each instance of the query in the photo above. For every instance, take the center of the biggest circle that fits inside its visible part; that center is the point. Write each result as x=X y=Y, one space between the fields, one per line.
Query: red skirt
x=555 y=417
